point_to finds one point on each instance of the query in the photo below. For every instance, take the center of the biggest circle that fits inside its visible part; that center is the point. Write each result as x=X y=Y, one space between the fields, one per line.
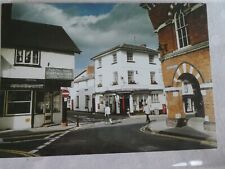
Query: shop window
x=56 y=102
x=27 y=57
x=18 y=102
x=39 y=102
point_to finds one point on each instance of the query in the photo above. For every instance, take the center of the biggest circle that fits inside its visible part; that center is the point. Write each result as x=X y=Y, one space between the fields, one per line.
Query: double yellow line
x=15 y=153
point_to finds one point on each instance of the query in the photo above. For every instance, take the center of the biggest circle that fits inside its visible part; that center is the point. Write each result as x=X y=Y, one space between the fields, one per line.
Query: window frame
x=87 y=98
x=155 y=98
x=24 y=55
x=130 y=56
x=115 y=78
x=18 y=101
x=181 y=26
x=99 y=63
x=114 y=58
x=151 y=59
x=130 y=81
x=153 y=78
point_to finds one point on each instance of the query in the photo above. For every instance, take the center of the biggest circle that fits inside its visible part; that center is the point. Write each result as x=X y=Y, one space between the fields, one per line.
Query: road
x=123 y=137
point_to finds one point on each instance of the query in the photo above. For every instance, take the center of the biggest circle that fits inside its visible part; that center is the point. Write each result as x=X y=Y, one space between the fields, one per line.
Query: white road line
x=50 y=141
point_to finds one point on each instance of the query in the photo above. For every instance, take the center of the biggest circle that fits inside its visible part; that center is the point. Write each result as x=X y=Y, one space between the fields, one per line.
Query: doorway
x=192 y=96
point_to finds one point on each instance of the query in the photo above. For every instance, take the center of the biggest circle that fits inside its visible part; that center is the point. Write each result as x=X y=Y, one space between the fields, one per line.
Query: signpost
x=65 y=96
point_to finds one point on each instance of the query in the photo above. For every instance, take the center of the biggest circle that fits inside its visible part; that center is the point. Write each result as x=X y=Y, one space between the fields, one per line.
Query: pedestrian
x=107 y=114
x=128 y=112
x=147 y=112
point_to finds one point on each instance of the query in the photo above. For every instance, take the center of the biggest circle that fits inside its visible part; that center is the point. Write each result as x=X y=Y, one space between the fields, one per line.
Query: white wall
x=82 y=89
x=56 y=60
x=141 y=69
x=15 y=122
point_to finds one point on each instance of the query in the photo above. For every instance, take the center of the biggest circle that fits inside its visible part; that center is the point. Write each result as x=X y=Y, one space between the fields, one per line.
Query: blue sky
x=94 y=27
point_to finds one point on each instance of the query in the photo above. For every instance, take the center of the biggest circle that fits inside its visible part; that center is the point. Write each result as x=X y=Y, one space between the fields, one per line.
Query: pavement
x=193 y=131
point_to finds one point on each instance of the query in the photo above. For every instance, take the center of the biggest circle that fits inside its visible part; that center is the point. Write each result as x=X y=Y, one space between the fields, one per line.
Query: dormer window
x=27 y=57
x=181 y=29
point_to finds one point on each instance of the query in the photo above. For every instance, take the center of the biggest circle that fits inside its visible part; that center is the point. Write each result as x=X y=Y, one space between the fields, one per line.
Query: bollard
x=78 y=121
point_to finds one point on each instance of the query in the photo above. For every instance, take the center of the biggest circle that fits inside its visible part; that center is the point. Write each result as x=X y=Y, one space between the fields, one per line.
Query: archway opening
x=192 y=96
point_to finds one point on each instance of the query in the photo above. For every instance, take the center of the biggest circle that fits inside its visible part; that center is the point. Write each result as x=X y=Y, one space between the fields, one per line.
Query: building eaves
x=127 y=47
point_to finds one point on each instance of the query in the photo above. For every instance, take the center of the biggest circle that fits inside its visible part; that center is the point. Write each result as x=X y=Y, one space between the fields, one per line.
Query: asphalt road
x=114 y=139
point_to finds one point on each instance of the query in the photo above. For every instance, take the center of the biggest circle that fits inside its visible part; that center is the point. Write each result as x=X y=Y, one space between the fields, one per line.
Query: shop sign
x=58 y=73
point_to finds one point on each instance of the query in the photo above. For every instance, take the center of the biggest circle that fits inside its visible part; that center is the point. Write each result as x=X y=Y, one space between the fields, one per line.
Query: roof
x=24 y=34
x=79 y=77
x=127 y=47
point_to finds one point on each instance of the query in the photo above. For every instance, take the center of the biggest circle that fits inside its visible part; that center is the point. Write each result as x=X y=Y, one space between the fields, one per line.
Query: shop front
x=27 y=103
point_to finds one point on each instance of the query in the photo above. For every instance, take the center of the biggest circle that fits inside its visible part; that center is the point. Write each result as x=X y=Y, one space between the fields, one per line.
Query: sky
x=94 y=27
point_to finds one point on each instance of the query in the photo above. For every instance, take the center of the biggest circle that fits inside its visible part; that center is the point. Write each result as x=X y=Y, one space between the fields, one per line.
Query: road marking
x=52 y=140
x=33 y=135
x=18 y=152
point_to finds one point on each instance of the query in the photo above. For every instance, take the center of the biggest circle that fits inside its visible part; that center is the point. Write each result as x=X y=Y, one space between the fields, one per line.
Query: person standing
x=107 y=113
x=147 y=112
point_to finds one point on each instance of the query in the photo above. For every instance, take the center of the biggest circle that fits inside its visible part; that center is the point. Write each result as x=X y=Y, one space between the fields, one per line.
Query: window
x=19 y=102
x=151 y=59
x=130 y=56
x=114 y=58
x=115 y=78
x=181 y=29
x=27 y=57
x=155 y=98
x=131 y=77
x=56 y=102
x=99 y=80
x=101 y=99
x=39 y=102
x=77 y=102
x=99 y=63
x=2 y=96
x=152 y=78
x=86 y=101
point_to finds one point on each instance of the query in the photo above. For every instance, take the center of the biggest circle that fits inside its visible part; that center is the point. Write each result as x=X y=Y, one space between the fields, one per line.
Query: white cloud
x=126 y=23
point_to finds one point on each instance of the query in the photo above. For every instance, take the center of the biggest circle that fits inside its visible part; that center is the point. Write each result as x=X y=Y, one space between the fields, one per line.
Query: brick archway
x=186 y=68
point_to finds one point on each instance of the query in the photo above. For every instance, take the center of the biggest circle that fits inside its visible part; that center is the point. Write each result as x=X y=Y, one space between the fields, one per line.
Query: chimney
x=90 y=69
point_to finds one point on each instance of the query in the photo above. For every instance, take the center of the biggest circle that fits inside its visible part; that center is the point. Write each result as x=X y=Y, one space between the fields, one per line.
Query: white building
x=82 y=91
x=126 y=77
x=36 y=60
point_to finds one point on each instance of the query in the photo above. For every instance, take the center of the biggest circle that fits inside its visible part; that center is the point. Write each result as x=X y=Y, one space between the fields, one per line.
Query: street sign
x=65 y=93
